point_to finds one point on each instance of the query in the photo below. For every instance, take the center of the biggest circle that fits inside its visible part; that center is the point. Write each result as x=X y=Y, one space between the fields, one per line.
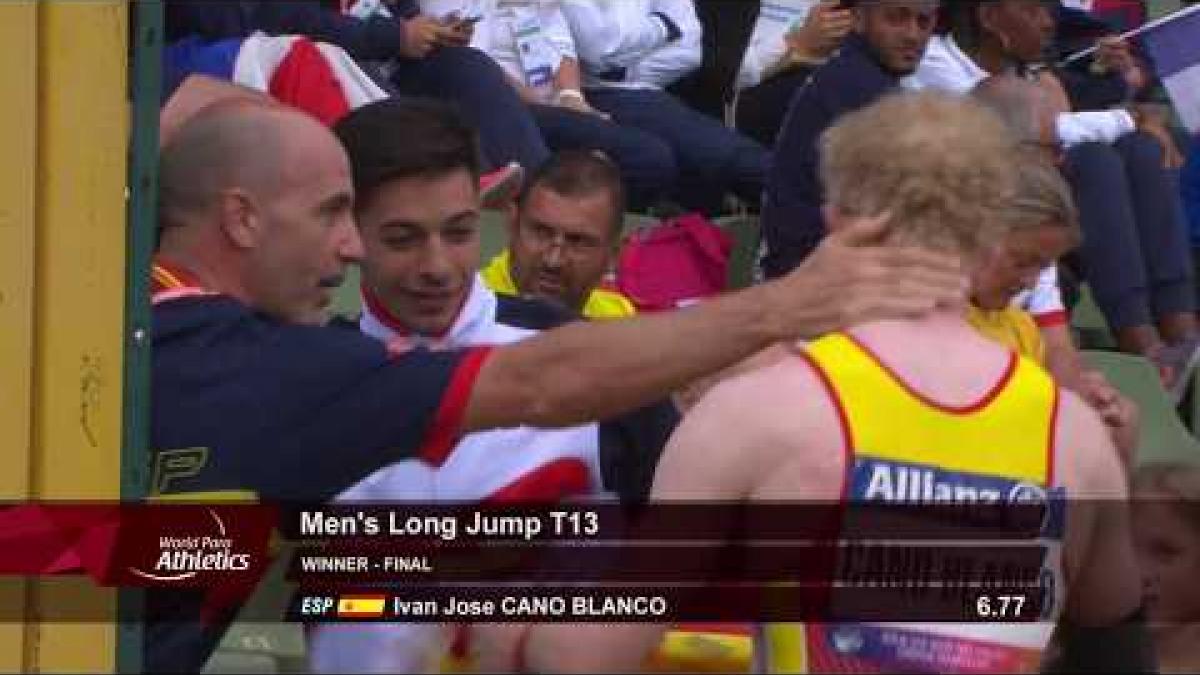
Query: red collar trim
x=385 y=316
x=984 y=401
x=382 y=313
x=170 y=281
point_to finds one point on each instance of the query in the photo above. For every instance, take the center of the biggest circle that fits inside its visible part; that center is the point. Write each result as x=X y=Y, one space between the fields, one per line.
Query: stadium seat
x=1163 y=436
x=636 y=221
x=257 y=642
x=745 y=232
x=237 y=662
x=1089 y=323
x=1190 y=409
x=346 y=299
x=493 y=235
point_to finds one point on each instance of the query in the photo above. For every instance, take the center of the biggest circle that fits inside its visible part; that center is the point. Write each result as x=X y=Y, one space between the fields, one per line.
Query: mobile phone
x=466 y=22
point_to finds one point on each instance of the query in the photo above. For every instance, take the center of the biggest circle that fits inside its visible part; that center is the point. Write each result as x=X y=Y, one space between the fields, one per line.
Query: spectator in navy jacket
x=887 y=44
x=427 y=56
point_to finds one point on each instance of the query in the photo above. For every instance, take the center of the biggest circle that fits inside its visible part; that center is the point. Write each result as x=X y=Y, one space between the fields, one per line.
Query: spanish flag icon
x=361 y=606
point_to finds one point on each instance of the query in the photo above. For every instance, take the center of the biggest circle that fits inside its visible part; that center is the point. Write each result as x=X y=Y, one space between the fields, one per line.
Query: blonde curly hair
x=944 y=167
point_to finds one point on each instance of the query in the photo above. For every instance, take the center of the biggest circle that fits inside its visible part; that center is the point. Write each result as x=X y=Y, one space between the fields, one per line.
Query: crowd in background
x=570 y=114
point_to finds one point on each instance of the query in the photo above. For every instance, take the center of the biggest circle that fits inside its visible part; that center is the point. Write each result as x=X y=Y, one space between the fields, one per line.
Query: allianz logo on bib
x=885 y=481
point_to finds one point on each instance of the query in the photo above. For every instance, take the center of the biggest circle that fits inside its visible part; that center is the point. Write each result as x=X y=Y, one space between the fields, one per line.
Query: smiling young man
x=416 y=170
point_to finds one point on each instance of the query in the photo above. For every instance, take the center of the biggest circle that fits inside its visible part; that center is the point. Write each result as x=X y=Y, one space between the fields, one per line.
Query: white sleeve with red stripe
x=447 y=427
x=1044 y=300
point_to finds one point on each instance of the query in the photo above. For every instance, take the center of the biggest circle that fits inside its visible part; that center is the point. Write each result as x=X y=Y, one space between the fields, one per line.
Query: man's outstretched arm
x=588 y=371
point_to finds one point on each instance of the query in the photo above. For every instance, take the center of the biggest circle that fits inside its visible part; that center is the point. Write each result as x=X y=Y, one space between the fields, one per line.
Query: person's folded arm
x=663 y=67
x=607 y=37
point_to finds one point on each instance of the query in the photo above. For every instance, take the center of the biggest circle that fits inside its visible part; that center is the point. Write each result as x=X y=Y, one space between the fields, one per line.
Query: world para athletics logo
x=193 y=545
x=184 y=557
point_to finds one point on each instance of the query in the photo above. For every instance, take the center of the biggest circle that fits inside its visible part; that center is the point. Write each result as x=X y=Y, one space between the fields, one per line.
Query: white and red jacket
x=505 y=465
x=519 y=464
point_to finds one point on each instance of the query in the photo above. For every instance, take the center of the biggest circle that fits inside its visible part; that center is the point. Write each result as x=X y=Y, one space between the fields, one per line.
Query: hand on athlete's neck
x=906 y=280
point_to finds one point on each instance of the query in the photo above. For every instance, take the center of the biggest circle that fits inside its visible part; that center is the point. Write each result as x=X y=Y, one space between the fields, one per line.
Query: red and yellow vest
x=902 y=447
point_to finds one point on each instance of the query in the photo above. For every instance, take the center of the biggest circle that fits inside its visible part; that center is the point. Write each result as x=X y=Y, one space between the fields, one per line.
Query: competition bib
x=946 y=647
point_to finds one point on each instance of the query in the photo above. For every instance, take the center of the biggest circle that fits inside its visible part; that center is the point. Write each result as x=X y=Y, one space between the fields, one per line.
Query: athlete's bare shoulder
x=1086 y=461
x=1105 y=584
x=772 y=425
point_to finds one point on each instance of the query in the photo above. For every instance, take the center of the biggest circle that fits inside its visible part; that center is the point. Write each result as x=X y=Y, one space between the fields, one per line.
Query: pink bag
x=674 y=264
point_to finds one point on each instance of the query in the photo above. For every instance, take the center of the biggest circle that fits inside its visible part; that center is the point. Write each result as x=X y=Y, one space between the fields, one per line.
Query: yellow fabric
x=1007 y=437
x=1012 y=327
x=785 y=647
x=888 y=422
x=601 y=304
x=695 y=651
x=205 y=496
x=681 y=651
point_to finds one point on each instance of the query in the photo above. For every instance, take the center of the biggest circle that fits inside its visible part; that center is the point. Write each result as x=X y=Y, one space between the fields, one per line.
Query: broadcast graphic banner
x=427 y=562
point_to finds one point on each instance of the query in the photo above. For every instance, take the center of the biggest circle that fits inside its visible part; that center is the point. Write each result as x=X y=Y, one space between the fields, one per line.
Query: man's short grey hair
x=1017 y=102
x=233 y=144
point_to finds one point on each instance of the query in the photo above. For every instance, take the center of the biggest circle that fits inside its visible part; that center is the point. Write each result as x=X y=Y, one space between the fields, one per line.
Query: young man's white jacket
x=517 y=464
